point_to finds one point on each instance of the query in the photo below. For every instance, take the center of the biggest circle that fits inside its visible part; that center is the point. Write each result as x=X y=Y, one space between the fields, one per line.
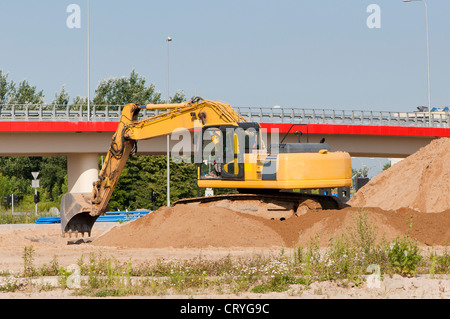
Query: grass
x=347 y=259
x=21 y=217
x=24 y=212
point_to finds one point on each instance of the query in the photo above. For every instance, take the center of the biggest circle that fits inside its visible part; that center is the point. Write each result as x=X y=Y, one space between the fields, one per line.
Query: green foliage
x=7 y=88
x=363 y=233
x=178 y=97
x=278 y=283
x=15 y=178
x=12 y=185
x=24 y=93
x=53 y=176
x=124 y=90
x=79 y=100
x=143 y=174
x=362 y=172
x=61 y=98
x=28 y=261
x=27 y=94
x=404 y=256
x=441 y=263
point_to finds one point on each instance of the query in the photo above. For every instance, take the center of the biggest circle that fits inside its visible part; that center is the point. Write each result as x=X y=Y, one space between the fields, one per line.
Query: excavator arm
x=80 y=211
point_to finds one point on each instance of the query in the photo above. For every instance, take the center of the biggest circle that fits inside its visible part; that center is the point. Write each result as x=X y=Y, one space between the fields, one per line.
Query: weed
x=298 y=255
x=346 y=259
x=363 y=233
x=51 y=269
x=277 y=283
x=10 y=285
x=28 y=260
x=440 y=264
x=404 y=256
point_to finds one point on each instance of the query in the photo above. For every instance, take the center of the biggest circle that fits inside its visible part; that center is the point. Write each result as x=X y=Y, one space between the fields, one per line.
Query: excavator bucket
x=75 y=214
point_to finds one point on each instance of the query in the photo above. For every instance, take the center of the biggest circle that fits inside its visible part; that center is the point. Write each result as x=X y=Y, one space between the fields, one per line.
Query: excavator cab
x=223 y=150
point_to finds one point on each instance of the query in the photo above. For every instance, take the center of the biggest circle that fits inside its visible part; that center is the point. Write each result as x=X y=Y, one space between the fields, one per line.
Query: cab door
x=233 y=163
x=222 y=154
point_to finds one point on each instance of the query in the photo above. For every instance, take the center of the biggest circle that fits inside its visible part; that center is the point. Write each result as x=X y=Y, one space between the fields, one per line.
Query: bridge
x=47 y=130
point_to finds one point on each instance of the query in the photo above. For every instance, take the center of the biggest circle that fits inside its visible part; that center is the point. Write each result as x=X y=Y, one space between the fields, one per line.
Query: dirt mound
x=397 y=202
x=419 y=182
x=201 y=226
x=191 y=226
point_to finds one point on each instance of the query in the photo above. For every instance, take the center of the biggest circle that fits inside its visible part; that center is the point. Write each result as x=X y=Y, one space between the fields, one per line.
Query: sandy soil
x=273 y=235
x=412 y=197
x=420 y=182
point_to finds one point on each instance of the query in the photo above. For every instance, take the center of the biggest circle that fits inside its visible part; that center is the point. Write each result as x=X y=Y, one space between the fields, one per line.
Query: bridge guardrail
x=253 y=114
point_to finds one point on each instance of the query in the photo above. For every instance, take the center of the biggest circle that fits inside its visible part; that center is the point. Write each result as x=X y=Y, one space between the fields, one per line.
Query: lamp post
x=428 y=59
x=88 y=67
x=169 y=39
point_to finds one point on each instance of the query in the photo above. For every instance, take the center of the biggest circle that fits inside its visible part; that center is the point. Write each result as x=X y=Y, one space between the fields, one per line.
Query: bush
x=404 y=256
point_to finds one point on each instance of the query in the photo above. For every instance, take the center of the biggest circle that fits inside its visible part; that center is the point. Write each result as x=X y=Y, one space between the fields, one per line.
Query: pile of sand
x=420 y=182
x=200 y=226
x=397 y=201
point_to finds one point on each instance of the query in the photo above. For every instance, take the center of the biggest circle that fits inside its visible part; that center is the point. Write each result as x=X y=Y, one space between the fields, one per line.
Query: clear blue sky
x=310 y=53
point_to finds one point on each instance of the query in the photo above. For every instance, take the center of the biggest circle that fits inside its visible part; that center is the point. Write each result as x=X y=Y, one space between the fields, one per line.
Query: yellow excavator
x=229 y=153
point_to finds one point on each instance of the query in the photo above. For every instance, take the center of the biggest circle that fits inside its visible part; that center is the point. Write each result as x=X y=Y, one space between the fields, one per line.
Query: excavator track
x=295 y=201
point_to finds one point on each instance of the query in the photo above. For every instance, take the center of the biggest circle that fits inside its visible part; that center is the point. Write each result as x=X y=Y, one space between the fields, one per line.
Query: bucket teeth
x=76 y=232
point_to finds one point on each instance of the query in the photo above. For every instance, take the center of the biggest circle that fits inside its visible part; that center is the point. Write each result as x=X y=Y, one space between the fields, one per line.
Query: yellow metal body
x=294 y=171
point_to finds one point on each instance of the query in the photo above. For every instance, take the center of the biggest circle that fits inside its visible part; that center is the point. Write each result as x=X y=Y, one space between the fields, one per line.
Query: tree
x=146 y=173
x=16 y=170
x=178 y=97
x=27 y=94
x=124 y=90
x=53 y=176
x=61 y=98
x=7 y=88
x=362 y=172
x=80 y=100
x=387 y=166
x=20 y=166
x=12 y=185
x=24 y=93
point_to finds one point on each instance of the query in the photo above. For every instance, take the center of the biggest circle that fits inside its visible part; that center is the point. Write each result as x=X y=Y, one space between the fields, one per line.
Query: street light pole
x=88 y=67
x=169 y=39
x=168 y=137
x=428 y=59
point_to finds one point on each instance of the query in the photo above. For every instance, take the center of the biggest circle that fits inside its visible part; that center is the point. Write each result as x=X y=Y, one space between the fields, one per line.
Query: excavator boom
x=231 y=153
x=80 y=211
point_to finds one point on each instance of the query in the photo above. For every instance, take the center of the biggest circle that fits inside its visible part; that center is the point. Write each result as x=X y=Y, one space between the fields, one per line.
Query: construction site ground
x=411 y=198
x=432 y=231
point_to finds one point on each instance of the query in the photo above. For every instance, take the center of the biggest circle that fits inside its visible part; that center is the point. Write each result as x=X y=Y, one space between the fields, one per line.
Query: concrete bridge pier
x=82 y=171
